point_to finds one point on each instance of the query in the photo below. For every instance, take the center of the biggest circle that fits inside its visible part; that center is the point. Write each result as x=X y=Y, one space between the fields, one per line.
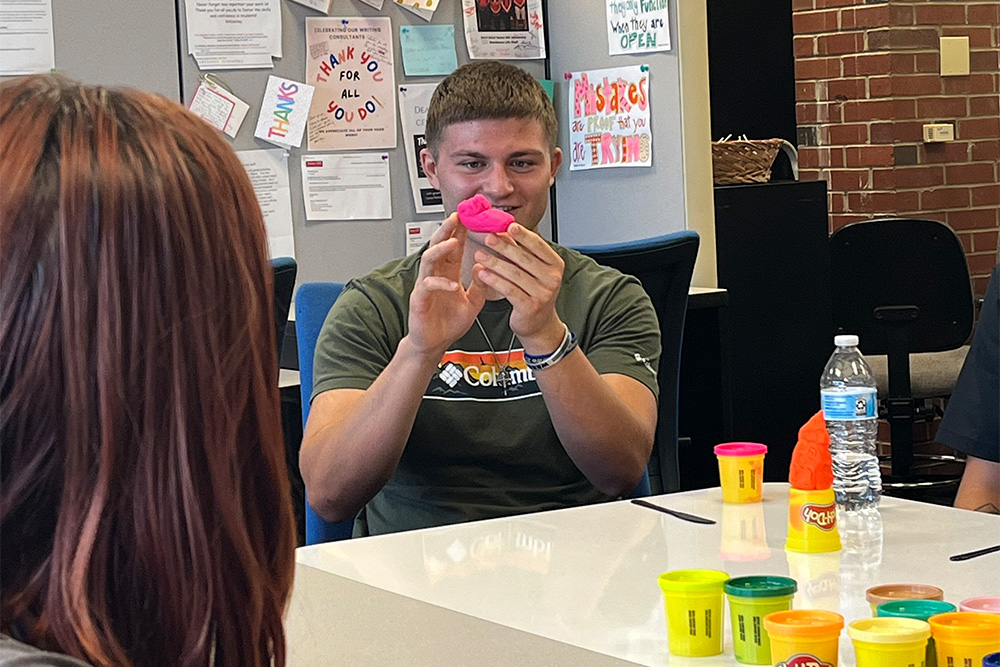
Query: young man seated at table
x=971 y=421
x=488 y=374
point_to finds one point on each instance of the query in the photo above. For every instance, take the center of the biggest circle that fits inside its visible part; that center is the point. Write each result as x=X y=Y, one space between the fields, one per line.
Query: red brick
x=979 y=128
x=837 y=3
x=966 y=240
x=983 y=263
x=928 y=62
x=817 y=68
x=984 y=106
x=838 y=221
x=808 y=157
x=904 y=109
x=873 y=63
x=985 y=241
x=869 y=156
x=974 y=83
x=838 y=202
x=987 y=195
x=872 y=16
x=882 y=133
x=906 y=201
x=972 y=219
x=804 y=46
x=878 y=39
x=809 y=174
x=911 y=132
x=871 y=202
x=976 y=173
x=903 y=63
x=914 y=38
x=979 y=38
x=880 y=86
x=883 y=179
x=804 y=23
x=803 y=5
x=846 y=180
x=916 y=85
x=839 y=135
x=918 y=177
x=846 y=89
x=942 y=107
x=838 y=44
x=985 y=150
x=847 y=19
x=900 y=14
x=812 y=112
x=944 y=198
x=807 y=91
x=941 y=14
x=985 y=14
x=864 y=110
x=951 y=151
x=984 y=61
x=836 y=157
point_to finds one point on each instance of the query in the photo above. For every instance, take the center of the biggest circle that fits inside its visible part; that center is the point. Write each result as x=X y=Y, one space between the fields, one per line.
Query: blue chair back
x=663 y=265
x=312 y=303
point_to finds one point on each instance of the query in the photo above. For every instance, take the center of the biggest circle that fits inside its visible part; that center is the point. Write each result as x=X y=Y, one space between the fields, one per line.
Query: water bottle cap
x=845 y=340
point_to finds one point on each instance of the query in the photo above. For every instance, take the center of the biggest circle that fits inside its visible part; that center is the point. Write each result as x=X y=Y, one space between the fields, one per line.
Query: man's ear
x=429 y=164
x=557 y=158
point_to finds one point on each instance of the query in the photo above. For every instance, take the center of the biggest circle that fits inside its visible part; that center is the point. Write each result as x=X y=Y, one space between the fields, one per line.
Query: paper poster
x=318 y=5
x=421 y=11
x=219 y=108
x=638 y=26
x=609 y=118
x=418 y=233
x=349 y=61
x=413 y=101
x=351 y=186
x=233 y=34
x=377 y=4
x=268 y=172
x=425 y=5
x=504 y=29
x=283 y=112
x=428 y=50
x=26 y=43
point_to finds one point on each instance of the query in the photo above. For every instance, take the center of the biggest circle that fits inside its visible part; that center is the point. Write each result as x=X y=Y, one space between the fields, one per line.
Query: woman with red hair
x=144 y=507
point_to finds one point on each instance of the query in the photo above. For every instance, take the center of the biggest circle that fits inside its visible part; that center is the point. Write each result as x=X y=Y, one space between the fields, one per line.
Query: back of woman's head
x=144 y=504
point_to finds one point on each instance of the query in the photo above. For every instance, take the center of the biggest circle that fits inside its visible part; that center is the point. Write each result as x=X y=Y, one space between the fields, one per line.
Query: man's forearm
x=980 y=487
x=605 y=423
x=353 y=441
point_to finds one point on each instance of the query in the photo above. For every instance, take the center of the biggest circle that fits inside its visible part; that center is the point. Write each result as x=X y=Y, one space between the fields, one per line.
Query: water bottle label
x=839 y=406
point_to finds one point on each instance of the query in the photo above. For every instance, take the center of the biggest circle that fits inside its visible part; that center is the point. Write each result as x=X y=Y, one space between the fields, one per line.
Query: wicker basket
x=743 y=161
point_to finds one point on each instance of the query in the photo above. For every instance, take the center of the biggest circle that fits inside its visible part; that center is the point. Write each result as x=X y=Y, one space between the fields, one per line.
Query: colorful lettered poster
x=283 y=112
x=504 y=29
x=609 y=118
x=638 y=26
x=349 y=61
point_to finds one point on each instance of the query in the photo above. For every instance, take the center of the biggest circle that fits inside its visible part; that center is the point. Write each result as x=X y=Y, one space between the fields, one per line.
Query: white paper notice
x=318 y=5
x=423 y=12
x=377 y=4
x=233 y=34
x=349 y=60
x=268 y=171
x=413 y=101
x=26 y=45
x=504 y=29
x=419 y=233
x=638 y=27
x=219 y=108
x=351 y=186
x=609 y=118
x=283 y=112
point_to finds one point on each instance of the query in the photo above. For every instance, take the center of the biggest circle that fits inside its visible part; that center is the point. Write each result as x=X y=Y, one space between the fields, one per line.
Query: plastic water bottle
x=850 y=408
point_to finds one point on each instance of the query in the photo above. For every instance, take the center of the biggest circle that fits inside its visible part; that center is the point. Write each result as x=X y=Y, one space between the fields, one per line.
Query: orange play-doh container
x=802 y=637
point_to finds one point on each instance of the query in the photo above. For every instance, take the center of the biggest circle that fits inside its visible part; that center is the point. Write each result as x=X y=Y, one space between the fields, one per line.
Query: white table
x=579 y=586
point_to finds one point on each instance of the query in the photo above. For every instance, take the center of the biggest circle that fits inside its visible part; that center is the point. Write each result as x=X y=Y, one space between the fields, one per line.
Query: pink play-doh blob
x=478 y=216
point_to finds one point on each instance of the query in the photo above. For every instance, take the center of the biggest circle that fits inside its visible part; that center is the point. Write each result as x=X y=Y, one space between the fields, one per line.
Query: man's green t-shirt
x=477 y=451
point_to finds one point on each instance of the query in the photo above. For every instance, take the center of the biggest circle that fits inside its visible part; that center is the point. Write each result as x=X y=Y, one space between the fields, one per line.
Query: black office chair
x=284 y=269
x=903 y=286
x=664 y=266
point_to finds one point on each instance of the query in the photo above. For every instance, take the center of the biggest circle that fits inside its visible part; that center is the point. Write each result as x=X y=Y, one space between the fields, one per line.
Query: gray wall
x=338 y=250
x=621 y=203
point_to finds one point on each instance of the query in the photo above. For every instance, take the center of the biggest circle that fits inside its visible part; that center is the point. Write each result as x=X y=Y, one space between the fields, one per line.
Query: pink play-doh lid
x=740 y=449
x=988 y=604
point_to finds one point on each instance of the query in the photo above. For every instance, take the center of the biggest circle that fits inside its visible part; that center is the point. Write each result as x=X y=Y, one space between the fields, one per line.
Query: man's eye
x=522 y=164
x=472 y=164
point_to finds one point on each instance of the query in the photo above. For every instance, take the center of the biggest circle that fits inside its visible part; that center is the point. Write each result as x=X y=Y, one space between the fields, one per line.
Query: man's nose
x=497 y=183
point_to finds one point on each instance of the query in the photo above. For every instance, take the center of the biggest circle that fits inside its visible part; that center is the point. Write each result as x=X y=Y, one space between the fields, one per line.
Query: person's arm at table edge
x=980 y=486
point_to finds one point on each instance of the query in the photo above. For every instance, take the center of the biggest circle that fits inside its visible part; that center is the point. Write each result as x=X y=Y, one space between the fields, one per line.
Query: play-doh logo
x=280 y=119
x=804 y=660
x=823 y=517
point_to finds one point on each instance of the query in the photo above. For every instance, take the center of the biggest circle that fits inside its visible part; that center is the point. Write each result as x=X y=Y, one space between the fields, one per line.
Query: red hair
x=144 y=507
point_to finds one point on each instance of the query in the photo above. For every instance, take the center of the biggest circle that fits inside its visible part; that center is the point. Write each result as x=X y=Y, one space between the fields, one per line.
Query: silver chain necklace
x=503 y=372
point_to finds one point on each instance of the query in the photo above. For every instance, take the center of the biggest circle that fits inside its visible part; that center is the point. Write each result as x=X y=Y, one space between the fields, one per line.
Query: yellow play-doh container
x=802 y=637
x=741 y=471
x=883 y=641
x=965 y=637
x=693 y=602
x=812 y=521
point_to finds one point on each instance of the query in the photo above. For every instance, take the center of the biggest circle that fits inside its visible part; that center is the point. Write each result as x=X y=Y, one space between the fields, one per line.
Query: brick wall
x=867 y=79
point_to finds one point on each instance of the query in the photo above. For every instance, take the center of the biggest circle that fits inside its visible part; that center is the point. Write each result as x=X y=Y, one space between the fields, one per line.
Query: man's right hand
x=441 y=308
